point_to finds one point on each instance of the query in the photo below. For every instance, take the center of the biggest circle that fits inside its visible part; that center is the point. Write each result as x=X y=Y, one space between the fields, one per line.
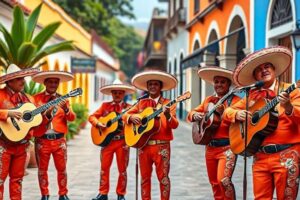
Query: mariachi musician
x=13 y=154
x=276 y=163
x=157 y=149
x=50 y=139
x=117 y=145
x=220 y=161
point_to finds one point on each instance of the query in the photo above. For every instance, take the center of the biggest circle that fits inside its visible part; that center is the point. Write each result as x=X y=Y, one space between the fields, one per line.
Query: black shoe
x=45 y=197
x=121 y=197
x=101 y=197
x=63 y=197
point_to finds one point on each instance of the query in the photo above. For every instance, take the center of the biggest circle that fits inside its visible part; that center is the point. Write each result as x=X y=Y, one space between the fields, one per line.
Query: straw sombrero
x=140 y=80
x=117 y=85
x=280 y=57
x=13 y=71
x=63 y=76
x=208 y=73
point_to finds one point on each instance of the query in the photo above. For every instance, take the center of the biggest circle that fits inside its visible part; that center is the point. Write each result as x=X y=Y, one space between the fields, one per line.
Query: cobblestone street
x=188 y=172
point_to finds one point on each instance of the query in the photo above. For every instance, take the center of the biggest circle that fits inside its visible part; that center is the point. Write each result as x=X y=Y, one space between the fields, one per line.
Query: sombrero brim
x=208 y=73
x=280 y=57
x=19 y=74
x=61 y=75
x=108 y=88
x=140 y=80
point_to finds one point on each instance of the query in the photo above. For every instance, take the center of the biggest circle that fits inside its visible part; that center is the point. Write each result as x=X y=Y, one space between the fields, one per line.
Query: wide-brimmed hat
x=280 y=57
x=209 y=73
x=63 y=76
x=117 y=85
x=13 y=71
x=140 y=80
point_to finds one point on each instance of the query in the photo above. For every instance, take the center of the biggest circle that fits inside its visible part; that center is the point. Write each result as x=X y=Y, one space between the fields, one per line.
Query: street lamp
x=296 y=36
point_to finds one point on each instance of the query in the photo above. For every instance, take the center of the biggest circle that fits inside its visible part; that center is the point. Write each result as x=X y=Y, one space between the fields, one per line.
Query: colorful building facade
x=219 y=35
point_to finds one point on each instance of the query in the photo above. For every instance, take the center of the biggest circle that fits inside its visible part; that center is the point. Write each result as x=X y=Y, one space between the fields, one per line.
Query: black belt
x=118 y=137
x=219 y=143
x=274 y=148
x=53 y=136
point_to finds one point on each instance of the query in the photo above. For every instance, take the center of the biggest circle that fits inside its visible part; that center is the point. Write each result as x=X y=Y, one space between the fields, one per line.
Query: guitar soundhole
x=144 y=121
x=108 y=124
x=255 y=118
x=27 y=116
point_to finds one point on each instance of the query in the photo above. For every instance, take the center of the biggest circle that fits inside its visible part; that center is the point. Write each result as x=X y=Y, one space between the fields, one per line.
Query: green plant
x=33 y=88
x=81 y=112
x=21 y=47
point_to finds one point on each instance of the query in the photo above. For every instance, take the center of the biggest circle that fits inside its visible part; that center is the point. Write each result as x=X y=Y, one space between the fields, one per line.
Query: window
x=282 y=13
x=196 y=6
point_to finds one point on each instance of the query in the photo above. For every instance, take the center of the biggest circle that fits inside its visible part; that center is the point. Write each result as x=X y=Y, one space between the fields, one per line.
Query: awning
x=197 y=56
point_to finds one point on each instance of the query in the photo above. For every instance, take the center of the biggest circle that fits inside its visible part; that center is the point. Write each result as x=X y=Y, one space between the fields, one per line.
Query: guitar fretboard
x=157 y=112
x=274 y=101
x=49 y=104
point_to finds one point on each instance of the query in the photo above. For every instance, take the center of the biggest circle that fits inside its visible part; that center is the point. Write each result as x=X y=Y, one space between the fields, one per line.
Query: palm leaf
x=3 y=63
x=45 y=34
x=18 y=27
x=9 y=42
x=25 y=53
x=3 y=50
x=63 y=46
x=32 y=21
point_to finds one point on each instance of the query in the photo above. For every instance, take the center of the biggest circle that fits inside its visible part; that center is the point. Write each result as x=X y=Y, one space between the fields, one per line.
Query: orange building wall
x=221 y=17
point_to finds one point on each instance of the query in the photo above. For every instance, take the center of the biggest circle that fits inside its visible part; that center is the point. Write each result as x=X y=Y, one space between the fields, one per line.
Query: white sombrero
x=208 y=73
x=13 y=71
x=280 y=57
x=117 y=85
x=140 y=80
x=63 y=76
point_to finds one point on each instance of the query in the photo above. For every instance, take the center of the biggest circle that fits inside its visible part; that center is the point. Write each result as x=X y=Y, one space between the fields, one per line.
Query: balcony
x=177 y=20
x=155 y=54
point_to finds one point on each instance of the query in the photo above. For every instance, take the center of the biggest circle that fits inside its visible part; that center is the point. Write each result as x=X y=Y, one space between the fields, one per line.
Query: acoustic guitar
x=203 y=130
x=264 y=121
x=138 y=135
x=15 y=130
x=113 y=125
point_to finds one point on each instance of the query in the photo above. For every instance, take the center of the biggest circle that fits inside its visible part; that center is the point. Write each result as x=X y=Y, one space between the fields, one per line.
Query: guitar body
x=15 y=130
x=102 y=137
x=138 y=135
x=203 y=131
x=258 y=129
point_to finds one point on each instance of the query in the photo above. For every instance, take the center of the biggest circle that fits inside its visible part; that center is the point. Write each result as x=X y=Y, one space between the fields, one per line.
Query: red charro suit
x=280 y=169
x=57 y=147
x=220 y=160
x=116 y=146
x=12 y=155
x=157 y=151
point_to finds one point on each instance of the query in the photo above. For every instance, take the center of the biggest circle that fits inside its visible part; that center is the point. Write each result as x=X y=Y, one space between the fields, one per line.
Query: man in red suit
x=50 y=139
x=157 y=149
x=13 y=154
x=117 y=144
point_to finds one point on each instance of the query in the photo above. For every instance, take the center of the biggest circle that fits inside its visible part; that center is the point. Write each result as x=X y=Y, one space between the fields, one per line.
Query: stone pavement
x=188 y=172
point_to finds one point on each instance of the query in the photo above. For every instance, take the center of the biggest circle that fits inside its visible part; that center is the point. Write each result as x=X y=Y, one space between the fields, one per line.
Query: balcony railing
x=178 y=19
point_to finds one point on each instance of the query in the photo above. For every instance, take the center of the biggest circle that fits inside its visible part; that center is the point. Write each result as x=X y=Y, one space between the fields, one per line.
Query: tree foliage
x=101 y=15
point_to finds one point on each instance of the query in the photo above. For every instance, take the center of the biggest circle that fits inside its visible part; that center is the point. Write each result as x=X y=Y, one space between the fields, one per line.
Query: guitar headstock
x=185 y=96
x=75 y=92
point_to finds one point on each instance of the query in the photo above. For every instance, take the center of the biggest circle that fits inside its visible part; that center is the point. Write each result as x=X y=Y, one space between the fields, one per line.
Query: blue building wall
x=260 y=21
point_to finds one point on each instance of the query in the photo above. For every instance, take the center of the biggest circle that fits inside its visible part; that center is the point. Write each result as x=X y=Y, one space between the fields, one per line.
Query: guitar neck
x=157 y=112
x=117 y=118
x=275 y=101
x=207 y=116
x=49 y=104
